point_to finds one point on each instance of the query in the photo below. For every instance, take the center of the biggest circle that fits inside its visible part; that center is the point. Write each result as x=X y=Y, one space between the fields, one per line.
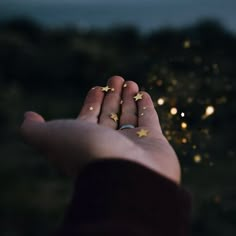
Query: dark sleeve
x=117 y=197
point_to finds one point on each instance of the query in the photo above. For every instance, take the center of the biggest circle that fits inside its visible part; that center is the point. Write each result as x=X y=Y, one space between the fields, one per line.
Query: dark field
x=50 y=71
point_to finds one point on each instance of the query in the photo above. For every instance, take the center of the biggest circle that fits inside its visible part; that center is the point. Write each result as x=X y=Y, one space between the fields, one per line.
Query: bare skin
x=93 y=135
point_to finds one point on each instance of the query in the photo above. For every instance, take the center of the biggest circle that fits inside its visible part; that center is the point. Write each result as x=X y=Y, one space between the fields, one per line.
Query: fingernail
x=28 y=115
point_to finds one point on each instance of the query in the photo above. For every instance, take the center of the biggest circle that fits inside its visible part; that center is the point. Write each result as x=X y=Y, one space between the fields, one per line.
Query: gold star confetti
x=138 y=96
x=91 y=108
x=114 y=117
x=106 y=89
x=142 y=133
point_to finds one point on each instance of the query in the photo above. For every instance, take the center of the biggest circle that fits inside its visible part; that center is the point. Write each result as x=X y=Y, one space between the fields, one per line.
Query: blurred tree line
x=49 y=70
x=52 y=60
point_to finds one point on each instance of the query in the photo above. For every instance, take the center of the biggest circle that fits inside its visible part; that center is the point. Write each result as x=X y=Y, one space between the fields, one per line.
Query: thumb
x=32 y=127
x=54 y=139
x=30 y=115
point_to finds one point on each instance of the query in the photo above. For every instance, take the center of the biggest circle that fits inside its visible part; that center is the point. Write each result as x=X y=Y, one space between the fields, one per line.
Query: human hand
x=94 y=135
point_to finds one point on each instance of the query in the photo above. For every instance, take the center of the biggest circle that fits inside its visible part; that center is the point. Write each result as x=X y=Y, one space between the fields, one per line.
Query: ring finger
x=129 y=106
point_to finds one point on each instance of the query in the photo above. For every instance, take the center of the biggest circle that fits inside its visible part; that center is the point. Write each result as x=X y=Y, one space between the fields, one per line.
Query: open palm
x=95 y=134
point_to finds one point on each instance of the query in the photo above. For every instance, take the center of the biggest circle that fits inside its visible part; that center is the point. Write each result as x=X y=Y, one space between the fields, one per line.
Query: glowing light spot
x=184 y=140
x=209 y=110
x=160 y=101
x=173 y=111
x=184 y=125
x=167 y=132
x=182 y=114
x=174 y=82
x=159 y=83
x=187 y=44
x=197 y=158
x=170 y=89
x=216 y=68
x=190 y=100
x=221 y=100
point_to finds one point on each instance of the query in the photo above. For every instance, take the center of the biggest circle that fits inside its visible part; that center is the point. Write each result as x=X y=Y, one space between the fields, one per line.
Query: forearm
x=115 y=197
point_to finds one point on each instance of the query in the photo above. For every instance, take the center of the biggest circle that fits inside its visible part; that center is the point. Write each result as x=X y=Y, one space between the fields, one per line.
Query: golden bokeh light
x=197 y=158
x=184 y=125
x=209 y=110
x=187 y=44
x=184 y=140
x=159 y=83
x=160 y=101
x=173 y=111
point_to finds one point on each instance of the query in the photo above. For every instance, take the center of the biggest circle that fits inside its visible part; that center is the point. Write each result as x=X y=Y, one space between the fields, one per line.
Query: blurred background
x=182 y=52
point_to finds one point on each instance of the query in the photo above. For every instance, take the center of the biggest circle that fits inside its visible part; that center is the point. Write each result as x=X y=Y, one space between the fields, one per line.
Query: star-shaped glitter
x=105 y=89
x=138 y=96
x=114 y=117
x=142 y=133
